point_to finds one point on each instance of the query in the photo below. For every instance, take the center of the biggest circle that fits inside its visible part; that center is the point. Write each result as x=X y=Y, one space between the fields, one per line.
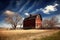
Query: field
x=55 y=36
x=32 y=34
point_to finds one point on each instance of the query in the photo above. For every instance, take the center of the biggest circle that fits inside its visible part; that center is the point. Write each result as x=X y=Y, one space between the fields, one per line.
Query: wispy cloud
x=36 y=11
x=31 y=6
x=7 y=12
x=18 y=4
x=49 y=8
x=23 y=6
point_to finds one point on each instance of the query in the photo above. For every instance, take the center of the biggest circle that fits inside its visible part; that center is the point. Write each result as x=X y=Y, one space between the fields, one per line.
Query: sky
x=46 y=8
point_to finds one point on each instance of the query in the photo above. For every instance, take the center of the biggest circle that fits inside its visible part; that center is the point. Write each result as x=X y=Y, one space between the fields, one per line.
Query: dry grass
x=25 y=34
x=55 y=36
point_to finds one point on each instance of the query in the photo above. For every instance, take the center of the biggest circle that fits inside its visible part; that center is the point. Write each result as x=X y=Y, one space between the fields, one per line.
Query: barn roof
x=32 y=17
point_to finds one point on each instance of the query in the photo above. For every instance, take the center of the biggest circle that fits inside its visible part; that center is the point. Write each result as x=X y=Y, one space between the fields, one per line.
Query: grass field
x=25 y=34
x=55 y=36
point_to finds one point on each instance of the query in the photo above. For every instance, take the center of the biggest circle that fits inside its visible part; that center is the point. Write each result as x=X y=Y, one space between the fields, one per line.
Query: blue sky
x=46 y=8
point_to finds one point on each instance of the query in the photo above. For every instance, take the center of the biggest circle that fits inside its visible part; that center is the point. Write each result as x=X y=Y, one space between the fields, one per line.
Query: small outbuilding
x=32 y=22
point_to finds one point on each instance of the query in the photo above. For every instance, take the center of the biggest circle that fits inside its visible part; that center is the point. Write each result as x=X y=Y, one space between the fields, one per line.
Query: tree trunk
x=14 y=27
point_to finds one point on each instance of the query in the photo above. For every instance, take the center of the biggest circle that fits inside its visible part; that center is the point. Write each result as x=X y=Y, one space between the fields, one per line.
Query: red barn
x=33 y=21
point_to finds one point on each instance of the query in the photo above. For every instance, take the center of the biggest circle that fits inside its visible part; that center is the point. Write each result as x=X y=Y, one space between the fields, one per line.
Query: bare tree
x=13 y=19
x=53 y=21
x=45 y=23
x=50 y=23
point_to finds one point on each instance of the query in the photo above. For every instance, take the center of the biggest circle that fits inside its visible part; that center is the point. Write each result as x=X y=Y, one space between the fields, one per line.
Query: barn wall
x=29 y=24
x=38 y=22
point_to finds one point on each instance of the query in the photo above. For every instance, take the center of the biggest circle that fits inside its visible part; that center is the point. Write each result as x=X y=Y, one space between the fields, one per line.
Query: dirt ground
x=25 y=34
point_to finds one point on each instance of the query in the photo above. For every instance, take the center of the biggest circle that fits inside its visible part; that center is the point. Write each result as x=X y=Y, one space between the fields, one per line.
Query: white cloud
x=27 y=14
x=9 y=12
x=49 y=8
x=5 y=25
x=23 y=18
